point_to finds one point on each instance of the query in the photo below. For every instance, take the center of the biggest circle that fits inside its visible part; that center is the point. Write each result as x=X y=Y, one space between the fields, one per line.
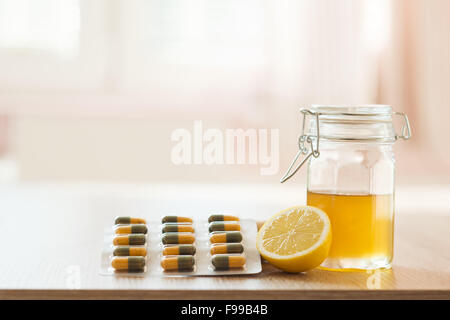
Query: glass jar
x=351 y=169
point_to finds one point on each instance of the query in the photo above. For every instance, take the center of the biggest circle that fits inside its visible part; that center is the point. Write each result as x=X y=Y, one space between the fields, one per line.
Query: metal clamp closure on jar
x=308 y=142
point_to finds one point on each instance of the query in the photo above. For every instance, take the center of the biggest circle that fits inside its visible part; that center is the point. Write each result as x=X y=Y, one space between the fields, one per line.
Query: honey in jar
x=363 y=225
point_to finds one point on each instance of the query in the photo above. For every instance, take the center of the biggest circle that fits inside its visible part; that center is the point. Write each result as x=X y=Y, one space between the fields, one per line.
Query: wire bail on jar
x=308 y=144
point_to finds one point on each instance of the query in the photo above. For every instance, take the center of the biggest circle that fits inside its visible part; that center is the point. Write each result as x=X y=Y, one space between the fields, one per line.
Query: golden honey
x=362 y=227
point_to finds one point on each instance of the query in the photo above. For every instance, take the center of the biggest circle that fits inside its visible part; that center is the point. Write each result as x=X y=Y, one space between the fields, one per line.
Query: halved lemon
x=296 y=239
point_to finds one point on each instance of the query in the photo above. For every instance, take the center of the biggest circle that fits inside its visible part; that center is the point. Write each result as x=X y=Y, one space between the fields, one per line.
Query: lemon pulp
x=296 y=239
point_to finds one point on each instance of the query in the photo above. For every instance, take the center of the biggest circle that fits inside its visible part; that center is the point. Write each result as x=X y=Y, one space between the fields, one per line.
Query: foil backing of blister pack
x=203 y=264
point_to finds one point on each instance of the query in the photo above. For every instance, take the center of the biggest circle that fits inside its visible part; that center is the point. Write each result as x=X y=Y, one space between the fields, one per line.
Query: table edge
x=57 y=294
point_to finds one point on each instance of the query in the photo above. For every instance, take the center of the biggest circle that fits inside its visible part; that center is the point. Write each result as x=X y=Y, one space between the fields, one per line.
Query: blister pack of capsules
x=180 y=246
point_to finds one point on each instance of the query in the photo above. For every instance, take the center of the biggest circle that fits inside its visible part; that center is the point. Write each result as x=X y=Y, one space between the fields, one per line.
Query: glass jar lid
x=351 y=123
x=360 y=123
x=364 y=109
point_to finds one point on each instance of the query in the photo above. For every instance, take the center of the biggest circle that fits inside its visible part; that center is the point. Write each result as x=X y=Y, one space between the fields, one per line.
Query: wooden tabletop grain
x=52 y=238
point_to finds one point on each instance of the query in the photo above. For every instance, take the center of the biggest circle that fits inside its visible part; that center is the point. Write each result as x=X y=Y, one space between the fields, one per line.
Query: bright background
x=92 y=90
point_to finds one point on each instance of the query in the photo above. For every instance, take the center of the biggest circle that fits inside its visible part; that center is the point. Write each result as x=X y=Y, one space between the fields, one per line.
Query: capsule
x=131 y=228
x=129 y=220
x=221 y=217
x=174 y=227
x=130 y=251
x=178 y=238
x=180 y=263
x=225 y=237
x=131 y=239
x=176 y=219
x=226 y=262
x=227 y=248
x=182 y=249
x=128 y=263
x=221 y=226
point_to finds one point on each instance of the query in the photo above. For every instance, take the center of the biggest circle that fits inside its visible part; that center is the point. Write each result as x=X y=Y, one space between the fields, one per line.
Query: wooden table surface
x=52 y=238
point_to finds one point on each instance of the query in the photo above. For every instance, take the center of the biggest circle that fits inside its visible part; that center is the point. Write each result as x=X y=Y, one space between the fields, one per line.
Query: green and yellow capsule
x=224 y=226
x=179 y=250
x=221 y=217
x=176 y=219
x=131 y=239
x=180 y=263
x=226 y=262
x=128 y=263
x=130 y=251
x=227 y=248
x=178 y=238
x=131 y=228
x=129 y=220
x=175 y=227
x=225 y=237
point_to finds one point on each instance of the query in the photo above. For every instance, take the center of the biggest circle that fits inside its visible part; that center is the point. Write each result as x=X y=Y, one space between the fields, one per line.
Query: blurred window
x=202 y=50
x=232 y=54
x=49 y=26
x=49 y=46
x=210 y=33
